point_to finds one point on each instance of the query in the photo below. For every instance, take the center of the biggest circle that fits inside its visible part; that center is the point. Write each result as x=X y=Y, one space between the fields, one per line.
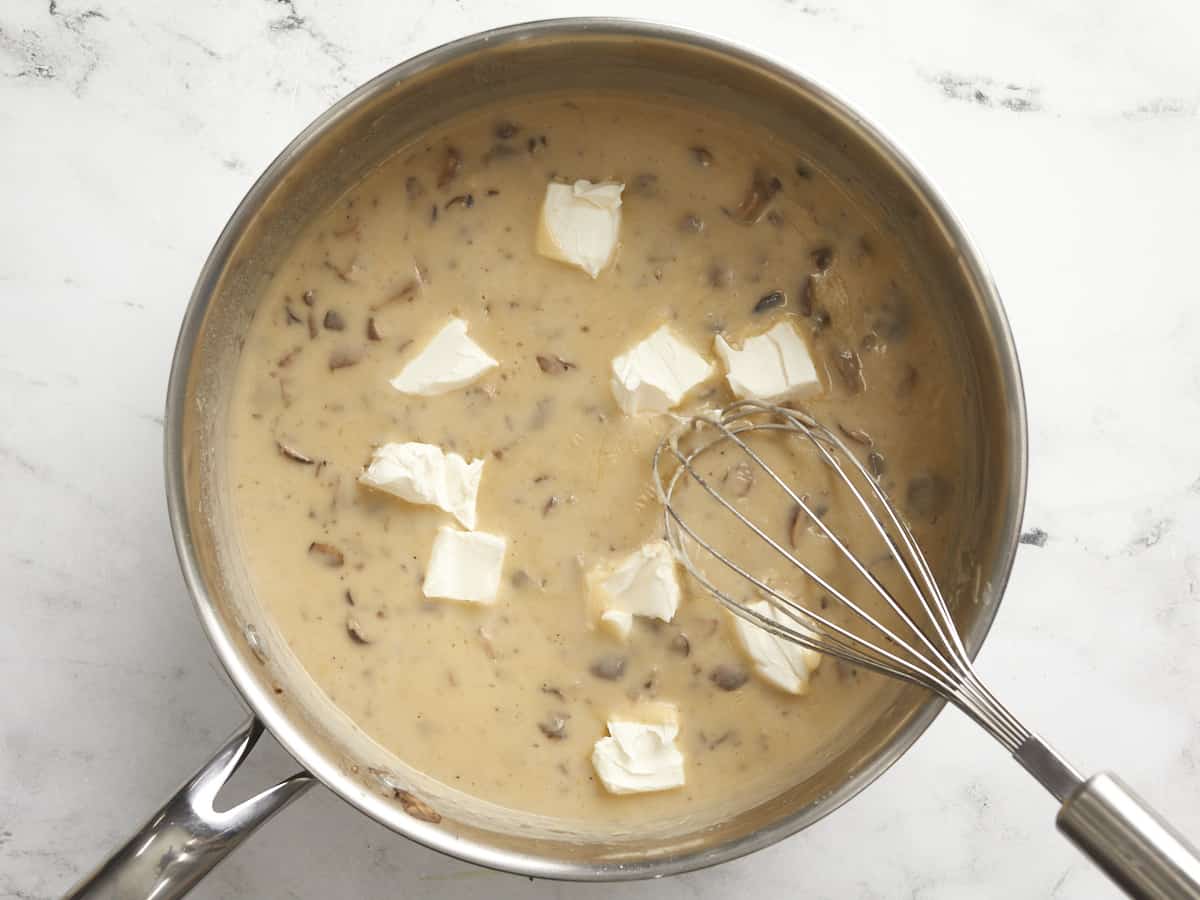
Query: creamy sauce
x=506 y=701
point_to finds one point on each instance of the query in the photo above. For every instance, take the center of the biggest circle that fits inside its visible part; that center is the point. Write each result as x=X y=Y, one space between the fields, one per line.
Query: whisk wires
x=924 y=648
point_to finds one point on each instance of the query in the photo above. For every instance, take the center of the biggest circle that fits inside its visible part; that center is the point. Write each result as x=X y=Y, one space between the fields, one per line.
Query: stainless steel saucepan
x=184 y=839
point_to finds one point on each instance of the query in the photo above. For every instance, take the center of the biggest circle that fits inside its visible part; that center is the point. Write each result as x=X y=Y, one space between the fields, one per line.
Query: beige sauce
x=461 y=692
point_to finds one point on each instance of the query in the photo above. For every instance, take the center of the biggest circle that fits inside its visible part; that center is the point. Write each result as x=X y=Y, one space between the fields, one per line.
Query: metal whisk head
x=919 y=642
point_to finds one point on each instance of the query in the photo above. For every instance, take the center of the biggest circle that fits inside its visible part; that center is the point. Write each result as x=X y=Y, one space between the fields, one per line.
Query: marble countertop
x=1066 y=135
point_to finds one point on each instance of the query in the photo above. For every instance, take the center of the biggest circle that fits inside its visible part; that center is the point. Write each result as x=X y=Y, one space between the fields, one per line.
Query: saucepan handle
x=187 y=837
x=1136 y=847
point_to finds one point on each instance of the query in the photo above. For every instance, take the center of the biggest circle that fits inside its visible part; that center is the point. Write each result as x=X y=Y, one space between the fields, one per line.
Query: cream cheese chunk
x=645 y=583
x=450 y=360
x=465 y=565
x=580 y=224
x=422 y=473
x=768 y=365
x=655 y=374
x=640 y=755
x=785 y=665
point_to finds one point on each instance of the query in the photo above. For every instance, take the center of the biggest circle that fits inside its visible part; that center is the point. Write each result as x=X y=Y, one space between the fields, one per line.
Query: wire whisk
x=922 y=646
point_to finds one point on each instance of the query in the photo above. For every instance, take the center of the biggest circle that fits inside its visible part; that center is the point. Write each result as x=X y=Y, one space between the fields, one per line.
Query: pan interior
x=336 y=154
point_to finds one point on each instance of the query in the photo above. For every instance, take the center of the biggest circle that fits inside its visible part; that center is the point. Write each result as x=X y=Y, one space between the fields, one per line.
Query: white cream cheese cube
x=768 y=365
x=465 y=565
x=580 y=224
x=640 y=755
x=450 y=360
x=422 y=473
x=781 y=663
x=655 y=374
x=645 y=583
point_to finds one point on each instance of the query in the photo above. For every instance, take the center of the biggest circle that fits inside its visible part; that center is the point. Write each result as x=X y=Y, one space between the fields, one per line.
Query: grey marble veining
x=1067 y=136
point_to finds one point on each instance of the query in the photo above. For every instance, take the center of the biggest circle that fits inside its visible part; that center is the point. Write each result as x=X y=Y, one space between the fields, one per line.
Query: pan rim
x=265 y=705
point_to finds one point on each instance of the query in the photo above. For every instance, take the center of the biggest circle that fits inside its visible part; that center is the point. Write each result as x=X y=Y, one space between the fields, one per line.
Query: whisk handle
x=1134 y=845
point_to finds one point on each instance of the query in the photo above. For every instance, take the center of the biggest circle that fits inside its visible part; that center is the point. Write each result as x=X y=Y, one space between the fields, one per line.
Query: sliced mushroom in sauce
x=327 y=554
x=728 y=677
x=763 y=188
x=610 y=666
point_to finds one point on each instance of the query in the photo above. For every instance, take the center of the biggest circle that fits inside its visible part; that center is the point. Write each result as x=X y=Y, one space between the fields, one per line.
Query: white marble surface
x=1067 y=135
